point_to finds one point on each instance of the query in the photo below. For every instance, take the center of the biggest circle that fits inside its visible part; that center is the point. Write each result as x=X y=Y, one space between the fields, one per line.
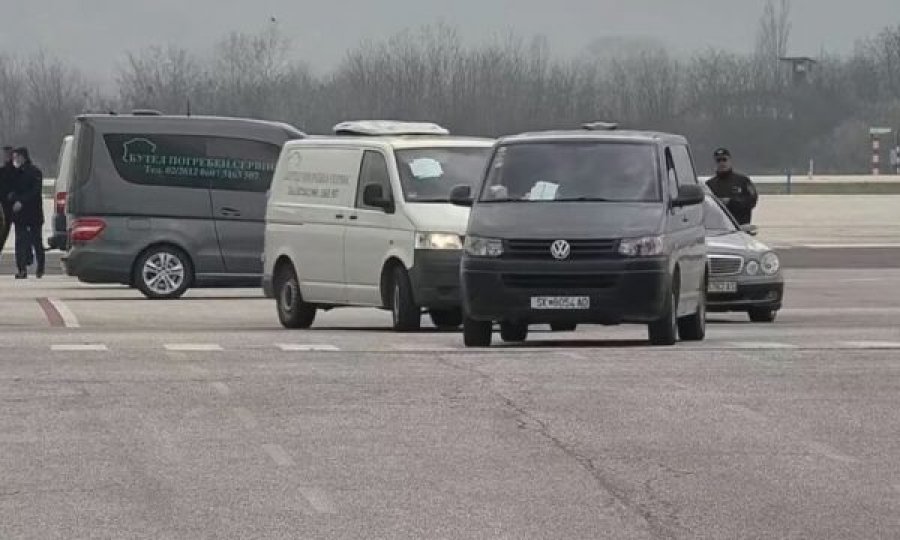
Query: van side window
x=671 y=174
x=684 y=166
x=373 y=170
x=193 y=161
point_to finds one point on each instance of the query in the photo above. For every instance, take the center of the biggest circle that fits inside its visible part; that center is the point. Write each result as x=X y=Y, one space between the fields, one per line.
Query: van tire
x=178 y=276
x=406 y=315
x=693 y=327
x=762 y=315
x=563 y=327
x=664 y=331
x=477 y=333
x=293 y=312
x=513 y=332
x=446 y=319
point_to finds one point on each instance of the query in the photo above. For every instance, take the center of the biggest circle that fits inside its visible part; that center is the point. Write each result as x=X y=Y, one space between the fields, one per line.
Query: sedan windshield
x=429 y=174
x=573 y=171
x=715 y=219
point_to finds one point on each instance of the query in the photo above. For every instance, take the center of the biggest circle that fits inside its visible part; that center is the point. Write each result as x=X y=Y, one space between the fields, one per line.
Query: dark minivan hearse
x=164 y=203
x=595 y=226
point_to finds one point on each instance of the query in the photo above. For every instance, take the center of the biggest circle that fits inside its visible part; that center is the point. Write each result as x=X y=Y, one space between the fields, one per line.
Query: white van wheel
x=293 y=312
x=163 y=272
x=406 y=315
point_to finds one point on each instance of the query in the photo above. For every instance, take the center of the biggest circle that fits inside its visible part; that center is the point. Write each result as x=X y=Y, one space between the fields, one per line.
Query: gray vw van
x=164 y=203
x=597 y=226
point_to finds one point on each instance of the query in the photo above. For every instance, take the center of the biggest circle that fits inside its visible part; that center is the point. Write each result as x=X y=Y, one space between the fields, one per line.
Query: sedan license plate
x=560 y=302
x=722 y=287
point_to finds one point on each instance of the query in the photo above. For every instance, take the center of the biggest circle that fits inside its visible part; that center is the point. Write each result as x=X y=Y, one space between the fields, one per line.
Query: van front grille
x=559 y=281
x=540 y=249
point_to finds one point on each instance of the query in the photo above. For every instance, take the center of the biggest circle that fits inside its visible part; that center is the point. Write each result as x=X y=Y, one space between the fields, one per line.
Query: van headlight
x=438 y=241
x=770 y=264
x=648 y=246
x=483 y=247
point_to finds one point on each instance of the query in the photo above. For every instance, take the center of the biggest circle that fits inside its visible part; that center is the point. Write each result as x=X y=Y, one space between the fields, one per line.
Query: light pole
x=875 y=133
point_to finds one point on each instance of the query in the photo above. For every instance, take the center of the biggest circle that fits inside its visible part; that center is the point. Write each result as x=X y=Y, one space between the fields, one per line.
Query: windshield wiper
x=432 y=200
x=585 y=199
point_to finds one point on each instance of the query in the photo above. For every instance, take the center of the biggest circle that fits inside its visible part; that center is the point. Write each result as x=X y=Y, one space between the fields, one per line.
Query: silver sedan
x=745 y=274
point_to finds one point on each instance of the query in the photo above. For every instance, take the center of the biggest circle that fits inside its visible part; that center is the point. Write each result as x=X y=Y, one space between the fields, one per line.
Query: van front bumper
x=434 y=277
x=620 y=290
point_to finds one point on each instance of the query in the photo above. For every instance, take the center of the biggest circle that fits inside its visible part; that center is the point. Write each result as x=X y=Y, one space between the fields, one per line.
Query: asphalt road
x=202 y=418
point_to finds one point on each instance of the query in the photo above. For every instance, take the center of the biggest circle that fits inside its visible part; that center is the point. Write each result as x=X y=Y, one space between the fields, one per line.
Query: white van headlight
x=770 y=264
x=483 y=247
x=648 y=246
x=438 y=241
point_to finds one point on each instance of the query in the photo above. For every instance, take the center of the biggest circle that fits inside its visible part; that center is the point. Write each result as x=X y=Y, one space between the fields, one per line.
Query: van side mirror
x=373 y=195
x=689 y=195
x=462 y=196
x=750 y=229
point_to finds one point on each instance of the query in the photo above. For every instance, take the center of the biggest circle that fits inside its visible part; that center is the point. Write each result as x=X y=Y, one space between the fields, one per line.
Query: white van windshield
x=429 y=174
x=573 y=171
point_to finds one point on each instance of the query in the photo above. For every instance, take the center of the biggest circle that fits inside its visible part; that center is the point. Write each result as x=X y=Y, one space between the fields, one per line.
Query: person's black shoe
x=39 y=274
x=21 y=275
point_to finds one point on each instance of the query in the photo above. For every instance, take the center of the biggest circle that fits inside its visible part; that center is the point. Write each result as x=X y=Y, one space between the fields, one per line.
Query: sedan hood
x=735 y=243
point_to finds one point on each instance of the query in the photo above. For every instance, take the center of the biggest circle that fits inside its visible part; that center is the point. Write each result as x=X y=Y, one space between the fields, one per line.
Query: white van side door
x=309 y=209
x=370 y=233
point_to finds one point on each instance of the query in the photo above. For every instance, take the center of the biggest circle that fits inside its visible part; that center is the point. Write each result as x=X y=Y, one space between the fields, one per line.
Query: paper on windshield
x=543 y=191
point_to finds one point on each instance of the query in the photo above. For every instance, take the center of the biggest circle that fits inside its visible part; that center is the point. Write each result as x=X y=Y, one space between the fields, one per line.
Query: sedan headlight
x=752 y=268
x=770 y=264
x=483 y=247
x=647 y=246
x=438 y=241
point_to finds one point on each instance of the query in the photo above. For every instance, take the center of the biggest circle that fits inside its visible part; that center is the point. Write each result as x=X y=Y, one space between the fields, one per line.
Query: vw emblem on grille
x=560 y=250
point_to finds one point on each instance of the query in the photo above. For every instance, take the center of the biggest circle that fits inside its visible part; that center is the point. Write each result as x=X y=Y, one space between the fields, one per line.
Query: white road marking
x=193 y=347
x=826 y=451
x=759 y=345
x=221 y=388
x=318 y=500
x=78 y=347
x=278 y=455
x=422 y=348
x=296 y=347
x=872 y=344
x=246 y=417
x=69 y=318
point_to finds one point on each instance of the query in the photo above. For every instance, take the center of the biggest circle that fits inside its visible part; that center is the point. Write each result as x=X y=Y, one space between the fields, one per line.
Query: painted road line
x=828 y=452
x=78 y=347
x=871 y=344
x=221 y=388
x=759 y=345
x=317 y=498
x=193 y=347
x=278 y=455
x=307 y=347
x=246 y=418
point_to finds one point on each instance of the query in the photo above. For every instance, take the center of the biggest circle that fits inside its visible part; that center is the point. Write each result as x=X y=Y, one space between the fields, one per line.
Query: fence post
x=788 y=181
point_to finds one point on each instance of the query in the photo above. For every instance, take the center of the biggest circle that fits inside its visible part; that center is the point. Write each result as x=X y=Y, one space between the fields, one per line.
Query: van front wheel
x=406 y=315
x=293 y=312
x=163 y=273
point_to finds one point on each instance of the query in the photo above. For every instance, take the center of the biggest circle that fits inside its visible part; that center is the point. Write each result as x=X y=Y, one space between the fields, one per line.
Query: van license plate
x=722 y=287
x=560 y=302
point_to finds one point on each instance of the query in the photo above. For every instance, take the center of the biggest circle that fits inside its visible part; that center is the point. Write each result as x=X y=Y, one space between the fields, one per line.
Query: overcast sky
x=95 y=34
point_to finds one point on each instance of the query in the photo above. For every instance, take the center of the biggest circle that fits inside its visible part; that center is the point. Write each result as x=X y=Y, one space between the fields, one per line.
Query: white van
x=363 y=218
x=65 y=169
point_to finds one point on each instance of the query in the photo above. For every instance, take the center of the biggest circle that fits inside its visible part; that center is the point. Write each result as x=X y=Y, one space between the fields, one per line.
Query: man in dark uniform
x=27 y=212
x=734 y=189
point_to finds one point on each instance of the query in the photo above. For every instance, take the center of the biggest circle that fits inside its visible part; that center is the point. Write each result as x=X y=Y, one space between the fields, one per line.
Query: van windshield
x=429 y=174
x=573 y=171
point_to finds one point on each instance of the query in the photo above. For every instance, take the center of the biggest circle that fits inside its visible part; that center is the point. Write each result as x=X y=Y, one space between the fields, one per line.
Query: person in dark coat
x=734 y=189
x=28 y=212
x=6 y=178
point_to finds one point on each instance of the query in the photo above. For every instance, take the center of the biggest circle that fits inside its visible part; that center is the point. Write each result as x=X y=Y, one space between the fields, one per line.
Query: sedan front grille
x=725 y=265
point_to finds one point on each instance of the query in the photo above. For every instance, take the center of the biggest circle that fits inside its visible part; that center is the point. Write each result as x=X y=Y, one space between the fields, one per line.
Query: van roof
x=397 y=142
x=591 y=135
x=196 y=121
